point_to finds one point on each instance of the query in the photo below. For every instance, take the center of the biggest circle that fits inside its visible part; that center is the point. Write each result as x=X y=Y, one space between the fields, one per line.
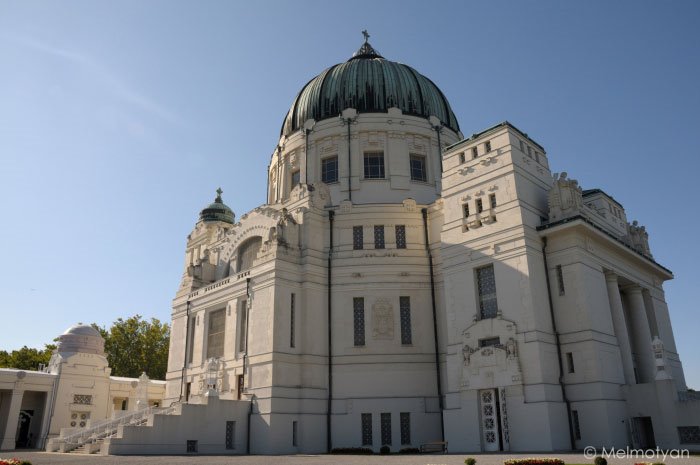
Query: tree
x=26 y=358
x=136 y=345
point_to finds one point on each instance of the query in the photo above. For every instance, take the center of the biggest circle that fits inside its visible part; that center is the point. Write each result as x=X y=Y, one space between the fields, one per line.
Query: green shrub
x=600 y=461
x=534 y=461
x=470 y=461
x=352 y=451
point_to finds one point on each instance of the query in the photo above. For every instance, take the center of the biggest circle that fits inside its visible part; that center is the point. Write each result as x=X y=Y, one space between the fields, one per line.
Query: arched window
x=247 y=253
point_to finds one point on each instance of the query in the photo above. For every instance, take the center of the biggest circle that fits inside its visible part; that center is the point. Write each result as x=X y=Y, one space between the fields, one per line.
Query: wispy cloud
x=106 y=78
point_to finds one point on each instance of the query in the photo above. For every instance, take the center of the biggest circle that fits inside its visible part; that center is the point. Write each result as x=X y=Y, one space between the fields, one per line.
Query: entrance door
x=642 y=433
x=490 y=434
x=24 y=424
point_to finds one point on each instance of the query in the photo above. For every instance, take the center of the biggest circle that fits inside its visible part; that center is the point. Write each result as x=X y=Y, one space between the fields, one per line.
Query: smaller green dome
x=217 y=211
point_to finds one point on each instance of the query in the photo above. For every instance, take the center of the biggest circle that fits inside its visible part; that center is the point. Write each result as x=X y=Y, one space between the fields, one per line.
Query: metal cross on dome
x=366 y=34
x=218 y=193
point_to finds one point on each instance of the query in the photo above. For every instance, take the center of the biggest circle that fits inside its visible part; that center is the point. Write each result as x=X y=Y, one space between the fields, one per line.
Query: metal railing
x=107 y=428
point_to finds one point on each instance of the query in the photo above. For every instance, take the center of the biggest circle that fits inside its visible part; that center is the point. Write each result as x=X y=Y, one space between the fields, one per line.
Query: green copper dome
x=217 y=211
x=370 y=84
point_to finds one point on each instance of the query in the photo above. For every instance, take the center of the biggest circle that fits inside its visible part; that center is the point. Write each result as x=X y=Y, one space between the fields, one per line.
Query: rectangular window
x=83 y=399
x=215 y=335
x=190 y=342
x=230 y=435
x=465 y=208
x=188 y=391
x=489 y=341
x=125 y=402
x=374 y=165
x=329 y=170
x=379 y=236
x=243 y=312
x=689 y=434
x=529 y=151
x=366 y=429
x=191 y=446
x=486 y=285
x=292 y=317
x=577 y=425
x=418 y=172
x=400 y=236
x=479 y=205
x=296 y=178
x=570 y=362
x=522 y=146
x=358 y=307
x=560 y=280
x=492 y=200
x=405 y=428
x=475 y=152
x=357 y=238
x=405 y=315
x=537 y=157
x=487 y=146
x=240 y=386
x=462 y=158
x=386 y=429
x=295 y=434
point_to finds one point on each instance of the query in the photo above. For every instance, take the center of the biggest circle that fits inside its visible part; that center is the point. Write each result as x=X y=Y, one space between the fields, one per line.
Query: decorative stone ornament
x=565 y=198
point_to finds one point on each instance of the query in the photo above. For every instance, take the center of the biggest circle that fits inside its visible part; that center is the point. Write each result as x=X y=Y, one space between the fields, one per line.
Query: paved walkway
x=46 y=458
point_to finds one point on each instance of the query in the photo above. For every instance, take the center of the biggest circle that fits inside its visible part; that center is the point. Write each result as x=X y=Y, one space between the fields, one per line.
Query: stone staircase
x=89 y=440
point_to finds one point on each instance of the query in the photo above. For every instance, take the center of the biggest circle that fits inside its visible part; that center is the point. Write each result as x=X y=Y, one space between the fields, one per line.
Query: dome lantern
x=217 y=211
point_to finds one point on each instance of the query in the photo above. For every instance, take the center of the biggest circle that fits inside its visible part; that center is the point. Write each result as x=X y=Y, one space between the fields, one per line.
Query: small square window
x=475 y=152
x=296 y=178
x=374 y=165
x=487 y=146
x=418 y=172
x=329 y=170
x=379 y=237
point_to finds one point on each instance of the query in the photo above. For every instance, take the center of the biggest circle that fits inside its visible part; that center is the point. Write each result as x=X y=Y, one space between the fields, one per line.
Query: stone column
x=641 y=333
x=9 y=438
x=620 y=326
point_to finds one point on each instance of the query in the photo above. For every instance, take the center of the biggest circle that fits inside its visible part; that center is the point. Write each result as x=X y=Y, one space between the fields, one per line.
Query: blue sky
x=118 y=120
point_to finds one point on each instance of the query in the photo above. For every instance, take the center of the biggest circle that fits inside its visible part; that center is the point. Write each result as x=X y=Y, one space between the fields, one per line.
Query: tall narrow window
x=405 y=310
x=560 y=280
x=292 y=317
x=475 y=152
x=405 y=428
x=296 y=178
x=379 y=236
x=529 y=151
x=537 y=157
x=190 y=347
x=386 y=429
x=230 y=435
x=215 y=335
x=479 y=205
x=522 y=146
x=570 y=362
x=358 y=304
x=400 y=236
x=357 y=238
x=486 y=285
x=240 y=386
x=366 y=429
x=247 y=252
x=492 y=200
x=329 y=170
x=374 y=165
x=295 y=434
x=487 y=146
x=418 y=172
x=462 y=158
x=242 y=323
x=465 y=208
x=577 y=425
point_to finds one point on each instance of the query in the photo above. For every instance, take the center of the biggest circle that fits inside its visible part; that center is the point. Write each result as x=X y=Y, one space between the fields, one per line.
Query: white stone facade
x=74 y=391
x=562 y=339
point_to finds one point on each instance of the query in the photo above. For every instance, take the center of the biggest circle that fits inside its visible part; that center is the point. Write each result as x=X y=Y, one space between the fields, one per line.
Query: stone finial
x=638 y=238
x=565 y=198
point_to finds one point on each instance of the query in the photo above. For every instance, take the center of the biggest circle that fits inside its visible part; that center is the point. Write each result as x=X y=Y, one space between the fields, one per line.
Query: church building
x=404 y=285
